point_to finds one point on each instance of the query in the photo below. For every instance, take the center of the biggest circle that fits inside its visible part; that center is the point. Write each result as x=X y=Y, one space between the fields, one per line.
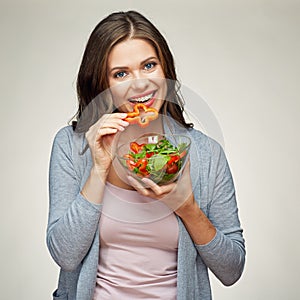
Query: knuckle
x=159 y=192
x=104 y=117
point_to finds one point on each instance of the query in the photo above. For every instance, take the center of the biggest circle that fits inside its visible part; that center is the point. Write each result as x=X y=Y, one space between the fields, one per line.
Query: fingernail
x=125 y=123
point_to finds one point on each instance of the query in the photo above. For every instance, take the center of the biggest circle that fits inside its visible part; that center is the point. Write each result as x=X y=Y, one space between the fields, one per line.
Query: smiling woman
x=116 y=39
x=117 y=237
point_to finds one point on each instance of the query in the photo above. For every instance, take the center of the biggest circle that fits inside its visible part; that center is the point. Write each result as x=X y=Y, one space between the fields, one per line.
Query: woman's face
x=135 y=75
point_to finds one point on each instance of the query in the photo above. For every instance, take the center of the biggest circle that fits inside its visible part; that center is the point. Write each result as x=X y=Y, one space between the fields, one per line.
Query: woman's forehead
x=129 y=51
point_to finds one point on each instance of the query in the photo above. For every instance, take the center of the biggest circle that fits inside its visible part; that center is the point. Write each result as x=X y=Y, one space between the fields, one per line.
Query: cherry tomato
x=171 y=169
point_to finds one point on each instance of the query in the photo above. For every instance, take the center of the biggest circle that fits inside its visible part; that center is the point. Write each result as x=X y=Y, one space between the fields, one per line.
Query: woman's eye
x=150 y=65
x=120 y=74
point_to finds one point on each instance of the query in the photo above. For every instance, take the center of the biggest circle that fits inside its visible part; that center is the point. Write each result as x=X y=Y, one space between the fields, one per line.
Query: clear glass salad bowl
x=159 y=157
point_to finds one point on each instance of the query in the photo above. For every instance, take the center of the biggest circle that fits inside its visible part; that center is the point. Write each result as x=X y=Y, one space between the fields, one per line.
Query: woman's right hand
x=100 y=138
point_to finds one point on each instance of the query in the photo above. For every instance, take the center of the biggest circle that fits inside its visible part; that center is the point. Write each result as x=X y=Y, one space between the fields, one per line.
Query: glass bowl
x=159 y=157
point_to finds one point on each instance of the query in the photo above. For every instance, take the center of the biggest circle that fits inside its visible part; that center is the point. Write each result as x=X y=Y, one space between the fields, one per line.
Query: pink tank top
x=139 y=243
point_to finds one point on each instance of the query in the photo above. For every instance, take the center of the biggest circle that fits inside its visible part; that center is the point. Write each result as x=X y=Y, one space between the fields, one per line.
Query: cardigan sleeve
x=224 y=255
x=72 y=220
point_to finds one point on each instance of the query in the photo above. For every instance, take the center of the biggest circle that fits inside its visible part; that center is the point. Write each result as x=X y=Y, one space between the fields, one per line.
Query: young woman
x=103 y=255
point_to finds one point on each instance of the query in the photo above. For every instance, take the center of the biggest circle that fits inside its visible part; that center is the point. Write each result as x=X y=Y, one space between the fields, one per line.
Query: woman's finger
x=114 y=123
x=138 y=186
x=157 y=189
x=106 y=130
x=110 y=120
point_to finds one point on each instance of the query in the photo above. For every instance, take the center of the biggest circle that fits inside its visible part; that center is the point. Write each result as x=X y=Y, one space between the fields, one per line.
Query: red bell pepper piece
x=182 y=154
x=149 y=154
x=141 y=115
x=130 y=164
x=173 y=159
x=135 y=147
x=142 y=164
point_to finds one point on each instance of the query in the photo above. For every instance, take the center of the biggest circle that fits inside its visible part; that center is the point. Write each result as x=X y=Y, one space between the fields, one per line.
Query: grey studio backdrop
x=241 y=57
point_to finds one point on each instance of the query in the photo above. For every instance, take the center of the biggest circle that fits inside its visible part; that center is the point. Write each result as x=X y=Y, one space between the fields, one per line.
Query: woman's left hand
x=178 y=195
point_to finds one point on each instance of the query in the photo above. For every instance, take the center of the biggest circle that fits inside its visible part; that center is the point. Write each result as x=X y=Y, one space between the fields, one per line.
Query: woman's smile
x=147 y=98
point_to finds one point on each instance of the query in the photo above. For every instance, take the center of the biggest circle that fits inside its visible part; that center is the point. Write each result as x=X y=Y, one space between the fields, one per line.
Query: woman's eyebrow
x=149 y=58
x=118 y=68
x=125 y=68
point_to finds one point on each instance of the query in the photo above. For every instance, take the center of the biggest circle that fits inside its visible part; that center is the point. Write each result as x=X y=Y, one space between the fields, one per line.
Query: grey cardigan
x=73 y=230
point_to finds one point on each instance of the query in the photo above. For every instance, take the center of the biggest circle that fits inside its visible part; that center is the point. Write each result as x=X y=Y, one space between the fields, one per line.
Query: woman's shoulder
x=64 y=133
x=62 y=141
x=204 y=142
x=68 y=139
x=67 y=133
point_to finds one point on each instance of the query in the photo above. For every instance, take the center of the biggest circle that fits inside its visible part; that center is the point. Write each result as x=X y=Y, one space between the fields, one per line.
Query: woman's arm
x=73 y=213
x=72 y=219
x=218 y=237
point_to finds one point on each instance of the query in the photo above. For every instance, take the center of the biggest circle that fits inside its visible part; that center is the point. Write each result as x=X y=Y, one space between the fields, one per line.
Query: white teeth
x=142 y=99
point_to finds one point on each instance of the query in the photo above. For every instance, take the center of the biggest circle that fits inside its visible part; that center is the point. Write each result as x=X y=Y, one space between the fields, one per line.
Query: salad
x=160 y=161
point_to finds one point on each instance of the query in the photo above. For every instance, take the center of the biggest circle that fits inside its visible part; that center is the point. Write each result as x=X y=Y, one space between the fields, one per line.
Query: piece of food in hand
x=141 y=115
x=159 y=161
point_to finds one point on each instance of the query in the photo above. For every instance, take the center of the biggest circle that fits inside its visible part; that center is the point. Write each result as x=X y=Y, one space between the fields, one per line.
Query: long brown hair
x=92 y=76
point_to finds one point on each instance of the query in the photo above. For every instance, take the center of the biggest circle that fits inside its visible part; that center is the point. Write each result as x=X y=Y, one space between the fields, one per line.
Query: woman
x=126 y=61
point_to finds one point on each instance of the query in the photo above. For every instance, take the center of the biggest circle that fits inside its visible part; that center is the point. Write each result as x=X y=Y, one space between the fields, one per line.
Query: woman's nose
x=139 y=83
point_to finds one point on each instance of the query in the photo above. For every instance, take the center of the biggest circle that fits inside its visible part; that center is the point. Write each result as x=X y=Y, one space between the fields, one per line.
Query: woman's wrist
x=94 y=187
x=196 y=222
x=99 y=173
x=188 y=208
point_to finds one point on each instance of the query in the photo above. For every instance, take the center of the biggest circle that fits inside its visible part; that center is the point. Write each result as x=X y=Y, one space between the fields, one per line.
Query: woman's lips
x=147 y=99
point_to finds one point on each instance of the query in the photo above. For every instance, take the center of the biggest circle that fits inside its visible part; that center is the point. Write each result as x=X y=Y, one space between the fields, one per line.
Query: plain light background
x=242 y=57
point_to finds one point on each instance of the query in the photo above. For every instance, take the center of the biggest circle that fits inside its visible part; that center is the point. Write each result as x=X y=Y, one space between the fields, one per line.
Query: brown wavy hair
x=92 y=78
